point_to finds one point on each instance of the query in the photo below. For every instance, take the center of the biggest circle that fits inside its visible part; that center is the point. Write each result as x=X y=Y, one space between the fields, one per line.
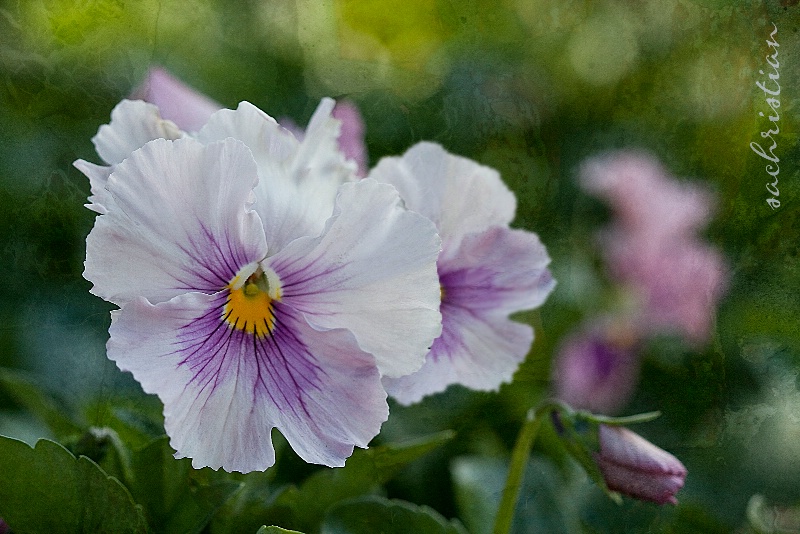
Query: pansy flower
x=487 y=270
x=259 y=286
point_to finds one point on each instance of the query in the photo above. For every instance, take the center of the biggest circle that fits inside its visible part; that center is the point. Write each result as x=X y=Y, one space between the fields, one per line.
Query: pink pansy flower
x=486 y=270
x=259 y=285
x=190 y=110
x=597 y=367
x=652 y=246
x=635 y=467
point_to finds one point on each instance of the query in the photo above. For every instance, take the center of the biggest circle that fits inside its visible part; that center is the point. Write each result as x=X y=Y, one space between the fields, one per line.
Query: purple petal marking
x=224 y=389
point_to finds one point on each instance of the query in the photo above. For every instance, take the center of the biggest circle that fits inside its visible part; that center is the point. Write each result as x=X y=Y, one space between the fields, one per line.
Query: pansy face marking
x=249 y=306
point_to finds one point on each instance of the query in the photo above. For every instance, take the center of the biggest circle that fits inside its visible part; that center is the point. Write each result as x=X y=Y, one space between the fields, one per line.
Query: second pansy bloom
x=259 y=286
x=487 y=270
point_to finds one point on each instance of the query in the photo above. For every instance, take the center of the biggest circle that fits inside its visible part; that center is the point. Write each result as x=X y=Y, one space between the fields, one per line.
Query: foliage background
x=530 y=87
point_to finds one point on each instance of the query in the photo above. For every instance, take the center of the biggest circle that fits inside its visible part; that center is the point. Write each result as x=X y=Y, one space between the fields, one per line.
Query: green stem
x=516 y=471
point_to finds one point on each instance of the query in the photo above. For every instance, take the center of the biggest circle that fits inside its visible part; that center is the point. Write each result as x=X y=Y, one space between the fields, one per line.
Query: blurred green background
x=530 y=87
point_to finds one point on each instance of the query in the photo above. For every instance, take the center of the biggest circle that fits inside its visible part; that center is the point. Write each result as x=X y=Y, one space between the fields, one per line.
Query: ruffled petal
x=177 y=101
x=475 y=351
x=500 y=271
x=299 y=180
x=373 y=272
x=224 y=389
x=98 y=175
x=133 y=123
x=180 y=222
x=459 y=195
x=487 y=277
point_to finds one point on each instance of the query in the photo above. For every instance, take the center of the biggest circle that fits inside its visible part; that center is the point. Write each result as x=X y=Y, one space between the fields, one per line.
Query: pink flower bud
x=635 y=467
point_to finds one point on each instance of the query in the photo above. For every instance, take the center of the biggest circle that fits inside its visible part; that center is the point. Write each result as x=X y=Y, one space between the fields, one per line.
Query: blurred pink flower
x=644 y=197
x=190 y=110
x=351 y=138
x=176 y=101
x=635 y=467
x=652 y=244
x=597 y=368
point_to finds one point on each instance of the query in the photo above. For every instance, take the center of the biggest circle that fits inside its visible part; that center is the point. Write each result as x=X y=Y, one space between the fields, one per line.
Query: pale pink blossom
x=652 y=245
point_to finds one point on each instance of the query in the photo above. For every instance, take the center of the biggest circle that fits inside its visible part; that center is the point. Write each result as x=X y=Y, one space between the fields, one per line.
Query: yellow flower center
x=249 y=307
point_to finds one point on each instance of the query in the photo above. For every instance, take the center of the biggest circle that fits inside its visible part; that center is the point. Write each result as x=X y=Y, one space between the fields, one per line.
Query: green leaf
x=364 y=472
x=173 y=500
x=368 y=515
x=46 y=489
x=478 y=482
x=24 y=390
x=276 y=530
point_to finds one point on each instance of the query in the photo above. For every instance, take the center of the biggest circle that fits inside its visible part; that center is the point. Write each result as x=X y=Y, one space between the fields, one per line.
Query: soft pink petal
x=351 y=139
x=645 y=197
x=679 y=282
x=177 y=102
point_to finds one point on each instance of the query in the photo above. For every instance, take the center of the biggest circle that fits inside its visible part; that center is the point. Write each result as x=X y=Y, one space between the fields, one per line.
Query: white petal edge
x=133 y=123
x=459 y=195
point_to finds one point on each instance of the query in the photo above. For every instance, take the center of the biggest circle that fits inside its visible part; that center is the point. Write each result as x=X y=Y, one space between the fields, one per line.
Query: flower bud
x=633 y=466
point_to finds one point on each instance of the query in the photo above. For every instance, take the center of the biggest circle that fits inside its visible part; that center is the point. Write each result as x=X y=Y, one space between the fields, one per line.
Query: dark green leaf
x=24 y=390
x=369 y=515
x=172 y=499
x=364 y=472
x=46 y=489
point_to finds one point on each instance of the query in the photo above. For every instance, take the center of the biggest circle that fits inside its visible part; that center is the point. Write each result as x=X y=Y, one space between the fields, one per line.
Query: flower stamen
x=250 y=306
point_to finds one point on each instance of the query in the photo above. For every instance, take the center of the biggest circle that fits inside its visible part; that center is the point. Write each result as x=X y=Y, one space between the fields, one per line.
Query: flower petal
x=489 y=276
x=499 y=271
x=351 y=139
x=457 y=194
x=178 y=102
x=180 y=222
x=478 y=352
x=98 y=175
x=298 y=180
x=373 y=271
x=133 y=123
x=224 y=389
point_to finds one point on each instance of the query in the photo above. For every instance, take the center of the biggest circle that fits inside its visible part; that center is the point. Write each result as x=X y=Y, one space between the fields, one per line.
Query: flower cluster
x=261 y=284
x=672 y=278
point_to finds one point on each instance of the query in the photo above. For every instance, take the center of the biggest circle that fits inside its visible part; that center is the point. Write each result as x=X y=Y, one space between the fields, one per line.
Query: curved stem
x=516 y=471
